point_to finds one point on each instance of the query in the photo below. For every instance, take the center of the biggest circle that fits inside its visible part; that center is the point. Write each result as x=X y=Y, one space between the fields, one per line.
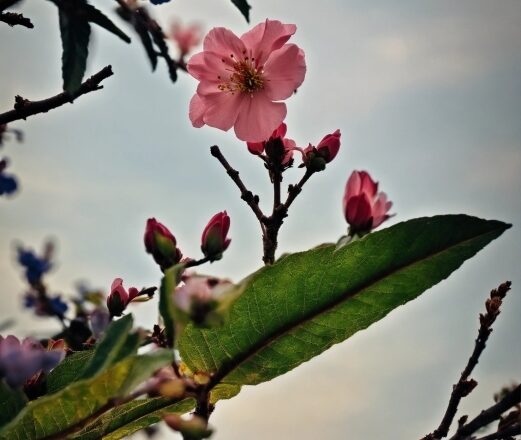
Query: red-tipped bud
x=276 y=141
x=119 y=298
x=214 y=240
x=316 y=158
x=329 y=146
x=364 y=208
x=161 y=244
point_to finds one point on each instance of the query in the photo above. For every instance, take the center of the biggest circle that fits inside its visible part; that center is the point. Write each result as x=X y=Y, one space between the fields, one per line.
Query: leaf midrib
x=225 y=370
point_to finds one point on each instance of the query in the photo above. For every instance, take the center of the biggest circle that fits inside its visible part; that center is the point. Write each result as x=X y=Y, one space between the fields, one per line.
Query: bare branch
x=465 y=385
x=13 y=19
x=24 y=108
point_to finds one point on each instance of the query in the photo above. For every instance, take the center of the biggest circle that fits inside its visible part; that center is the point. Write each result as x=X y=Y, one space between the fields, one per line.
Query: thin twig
x=24 y=108
x=489 y=415
x=246 y=195
x=13 y=19
x=465 y=385
x=504 y=434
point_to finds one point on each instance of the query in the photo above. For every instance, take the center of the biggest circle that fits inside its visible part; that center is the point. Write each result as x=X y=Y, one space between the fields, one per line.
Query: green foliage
x=108 y=349
x=68 y=371
x=75 y=17
x=167 y=307
x=56 y=413
x=306 y=302
x=133 y=416
x=244 y=7
x=11 y=402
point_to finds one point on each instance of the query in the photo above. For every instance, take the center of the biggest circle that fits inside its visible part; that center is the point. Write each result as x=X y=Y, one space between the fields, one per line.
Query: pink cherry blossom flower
x=242 y=80
x=186 y=37
x=364 y=208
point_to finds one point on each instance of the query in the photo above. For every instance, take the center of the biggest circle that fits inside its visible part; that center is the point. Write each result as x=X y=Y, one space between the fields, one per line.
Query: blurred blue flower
x=8 y=183
x=35 y=267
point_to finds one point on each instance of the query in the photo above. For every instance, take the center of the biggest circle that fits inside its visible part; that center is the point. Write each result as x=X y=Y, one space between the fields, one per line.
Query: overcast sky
x=428 y=98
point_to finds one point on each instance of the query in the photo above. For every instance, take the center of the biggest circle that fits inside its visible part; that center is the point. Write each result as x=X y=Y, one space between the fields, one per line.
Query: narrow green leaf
x=75 y=35
x=306 y=302
x=56 y=413
x=133 y=416
x=96 y=16
x=11 y=402
x=108 y=349
x=244 y=7
x=68 y=370
x=166 y=301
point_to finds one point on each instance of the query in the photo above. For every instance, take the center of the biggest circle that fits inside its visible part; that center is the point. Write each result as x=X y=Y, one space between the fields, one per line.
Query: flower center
x=245 y=77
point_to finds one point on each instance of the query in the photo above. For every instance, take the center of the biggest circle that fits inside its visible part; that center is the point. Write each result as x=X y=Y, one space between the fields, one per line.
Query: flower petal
x=267 y=37
x=224 y=42
x=222 y=109
x=196 y=112
x=284 y=71
x=258 y=118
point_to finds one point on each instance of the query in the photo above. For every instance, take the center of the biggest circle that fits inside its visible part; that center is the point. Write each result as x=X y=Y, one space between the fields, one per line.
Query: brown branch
x=504 y=434
x=489 y=415
x=13 y=19
x=465 y=385
x=246 y=195
x=24 y=108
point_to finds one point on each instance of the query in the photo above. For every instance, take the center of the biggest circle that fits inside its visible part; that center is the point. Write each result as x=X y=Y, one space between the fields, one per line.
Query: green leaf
x=244 y=7
x=96 y=16
x=167 y=307
x=11 y=402
x=109 y=348
x=133 y=416
x=53 y=414
x=306 y=302
x=68 y=370
x=75 y=35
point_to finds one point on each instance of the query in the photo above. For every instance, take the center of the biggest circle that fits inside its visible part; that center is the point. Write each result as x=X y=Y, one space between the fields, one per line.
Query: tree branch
x=465 y=385
x=246 y=195
x=489 y=415
x=24 y=108
x=13 y=19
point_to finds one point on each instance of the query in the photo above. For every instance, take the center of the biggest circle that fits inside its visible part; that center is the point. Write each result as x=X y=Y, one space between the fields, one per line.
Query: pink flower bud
x=119 y=298
x=364 y=208
x=329 y=146
x=316 y=158
x=214 y=240
x=186 y=37
x=161 y=244
x=278 y=134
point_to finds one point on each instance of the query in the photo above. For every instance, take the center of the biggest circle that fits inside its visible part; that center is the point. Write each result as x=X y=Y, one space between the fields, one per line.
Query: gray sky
x=427 y=96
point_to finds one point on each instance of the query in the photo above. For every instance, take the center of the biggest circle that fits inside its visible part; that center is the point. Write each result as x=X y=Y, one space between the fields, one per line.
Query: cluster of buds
x=20 y=361
x=276 y=151
x=316 y=158
x=493 y=305
x=119 y=298
x=364 y=207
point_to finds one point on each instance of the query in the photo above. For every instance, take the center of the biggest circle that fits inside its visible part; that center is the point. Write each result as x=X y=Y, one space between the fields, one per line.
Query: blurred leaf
x=68 y=370
x=75 y=35
x=11 y=402
x=133 y=416
x=166 y=301
x=108 y=349
x=96 y=16
x=244 y=7
x=53 y=414
x=306 y=302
